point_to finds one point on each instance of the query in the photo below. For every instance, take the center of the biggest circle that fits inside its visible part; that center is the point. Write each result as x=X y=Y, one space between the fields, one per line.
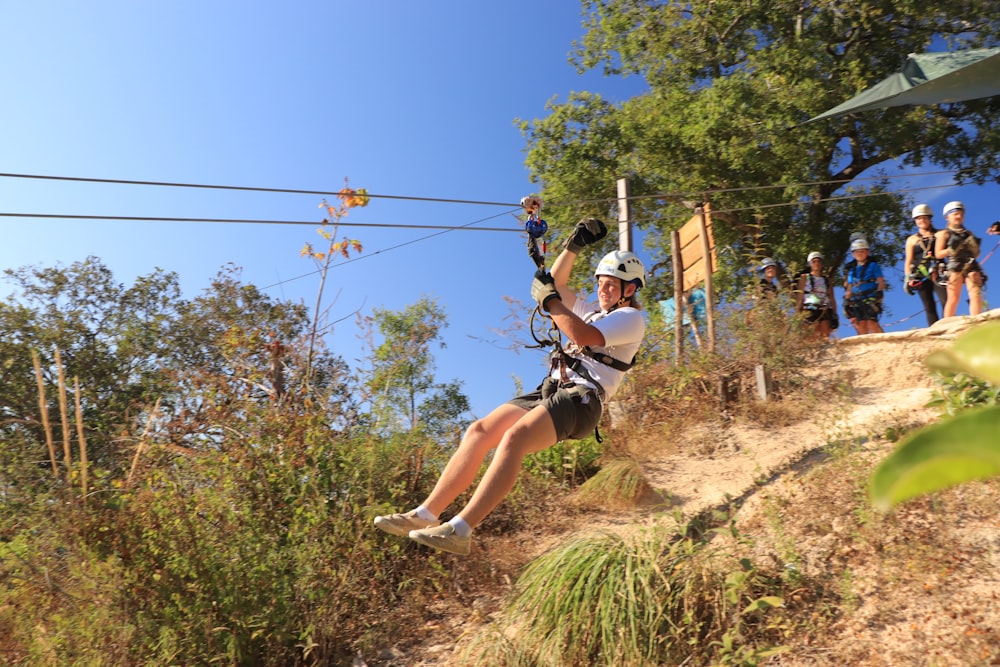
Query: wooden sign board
x=692 y=254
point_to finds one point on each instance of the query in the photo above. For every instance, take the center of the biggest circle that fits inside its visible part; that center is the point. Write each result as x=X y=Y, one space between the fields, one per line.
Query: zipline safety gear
x=531 y=204
x=953 y=206
x=536 y=227
x=813 y=255
x=859 y=244
x=586 y=232
x=543 y=289
x=766 y=262
x=624 y=265
x=921 y=209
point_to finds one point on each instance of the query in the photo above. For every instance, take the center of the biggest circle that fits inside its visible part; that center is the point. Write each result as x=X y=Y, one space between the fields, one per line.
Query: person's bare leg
x=954 y=294
x=533 y=433
x=482 y=436
x=974 y=286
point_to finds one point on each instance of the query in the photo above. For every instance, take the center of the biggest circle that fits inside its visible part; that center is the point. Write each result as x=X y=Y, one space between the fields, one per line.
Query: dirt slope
x=948 y=614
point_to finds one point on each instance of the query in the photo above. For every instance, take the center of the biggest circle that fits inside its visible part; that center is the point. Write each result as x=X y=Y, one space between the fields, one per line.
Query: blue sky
x=403 y=98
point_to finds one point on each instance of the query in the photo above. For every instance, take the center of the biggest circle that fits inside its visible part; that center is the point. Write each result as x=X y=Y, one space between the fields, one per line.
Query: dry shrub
x=620 y=484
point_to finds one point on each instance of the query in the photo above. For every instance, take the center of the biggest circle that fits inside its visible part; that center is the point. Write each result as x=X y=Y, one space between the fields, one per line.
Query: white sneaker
x=402 y=524
x=443 y=538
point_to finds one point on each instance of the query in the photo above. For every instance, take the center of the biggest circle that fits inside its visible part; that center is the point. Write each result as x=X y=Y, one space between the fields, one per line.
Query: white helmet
x=766 y=262
x=921 y=209
x=953 y=206
x=622 y=264
x=813 y=255
x=859 y=244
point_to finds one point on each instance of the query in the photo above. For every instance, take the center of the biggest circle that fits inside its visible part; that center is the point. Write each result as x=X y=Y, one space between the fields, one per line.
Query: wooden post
x=624 y=216
x=763 y=382
x=675 y=243
x=706 y=254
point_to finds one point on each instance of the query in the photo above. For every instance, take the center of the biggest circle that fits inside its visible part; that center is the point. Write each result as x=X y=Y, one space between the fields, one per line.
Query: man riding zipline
x=604 y=338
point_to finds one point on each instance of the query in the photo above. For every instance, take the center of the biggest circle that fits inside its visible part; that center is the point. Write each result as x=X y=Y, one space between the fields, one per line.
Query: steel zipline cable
x=340 y=223
x=467 y=227
x=663 y=195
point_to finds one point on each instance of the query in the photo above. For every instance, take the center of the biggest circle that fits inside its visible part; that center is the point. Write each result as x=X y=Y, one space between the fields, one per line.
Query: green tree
x=729 y=84
x=404 y=391
x=131 y=346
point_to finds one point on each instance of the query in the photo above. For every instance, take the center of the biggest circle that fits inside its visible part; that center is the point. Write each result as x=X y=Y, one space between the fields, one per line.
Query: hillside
x=920 y=586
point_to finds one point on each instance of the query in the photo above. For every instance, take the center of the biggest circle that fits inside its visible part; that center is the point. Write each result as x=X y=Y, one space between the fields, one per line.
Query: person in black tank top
x=921 y=264
x=959 y=247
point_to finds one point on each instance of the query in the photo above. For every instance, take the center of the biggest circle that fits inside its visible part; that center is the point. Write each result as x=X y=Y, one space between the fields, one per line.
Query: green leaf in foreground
x=976 y=352
x=961 y=449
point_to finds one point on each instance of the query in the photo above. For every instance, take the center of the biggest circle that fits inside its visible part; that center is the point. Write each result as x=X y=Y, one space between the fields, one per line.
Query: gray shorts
x=575 y=411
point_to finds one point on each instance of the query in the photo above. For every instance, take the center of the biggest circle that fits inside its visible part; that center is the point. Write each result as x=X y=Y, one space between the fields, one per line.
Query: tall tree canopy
x=729 y=84
x=131 y=346
x=402 y=383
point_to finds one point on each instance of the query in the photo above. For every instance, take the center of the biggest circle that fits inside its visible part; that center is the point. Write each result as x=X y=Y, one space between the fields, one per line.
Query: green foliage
x=570 y=462
x=402 y=381
x=651 y=599
x=729 y=84
x=236 y=529
x=961 y=448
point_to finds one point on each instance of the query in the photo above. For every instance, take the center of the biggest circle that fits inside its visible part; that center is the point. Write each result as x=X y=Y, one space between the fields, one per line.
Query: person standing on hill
x=768 y=284
x=921 y=264
x=959 y=247
x=604 y=340
x=815 y=298
x=863 y=290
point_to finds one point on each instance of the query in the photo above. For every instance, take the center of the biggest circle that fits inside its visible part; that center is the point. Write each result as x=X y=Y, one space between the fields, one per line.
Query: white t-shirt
x=623 y=329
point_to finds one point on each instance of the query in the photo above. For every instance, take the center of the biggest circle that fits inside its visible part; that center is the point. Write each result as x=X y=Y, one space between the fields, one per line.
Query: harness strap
x=608 y=360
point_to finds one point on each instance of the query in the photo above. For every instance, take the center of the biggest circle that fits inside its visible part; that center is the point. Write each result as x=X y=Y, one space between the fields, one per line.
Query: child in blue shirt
x=863 y=289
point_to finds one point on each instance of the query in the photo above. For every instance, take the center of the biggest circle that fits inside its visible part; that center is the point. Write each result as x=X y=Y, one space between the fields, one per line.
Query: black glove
x=543 y=289
x=907 y=288
x=586 y=232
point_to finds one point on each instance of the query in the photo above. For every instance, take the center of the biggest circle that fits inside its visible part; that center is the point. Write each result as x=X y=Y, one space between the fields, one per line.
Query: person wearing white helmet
x=768 y=285
x=814 y=298
x=959 y=248
x=864 y=286
x=604 y=338
x=922 y=276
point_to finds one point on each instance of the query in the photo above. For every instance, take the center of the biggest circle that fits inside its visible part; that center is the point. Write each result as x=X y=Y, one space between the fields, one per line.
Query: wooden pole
x=624 y=216
x=706 y=254
x=675 y=243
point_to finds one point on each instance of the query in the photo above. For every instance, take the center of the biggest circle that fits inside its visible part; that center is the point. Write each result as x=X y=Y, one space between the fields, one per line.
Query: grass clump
x=619 y=484
x=651 y=598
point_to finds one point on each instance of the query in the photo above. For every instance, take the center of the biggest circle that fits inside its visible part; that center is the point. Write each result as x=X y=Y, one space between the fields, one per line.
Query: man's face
x=922 y=221
x=861 y=255
x=956 y=218
x=609 y=291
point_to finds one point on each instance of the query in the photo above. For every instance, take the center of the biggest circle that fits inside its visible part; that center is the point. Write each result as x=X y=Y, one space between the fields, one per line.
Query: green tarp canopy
x=930 y=78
